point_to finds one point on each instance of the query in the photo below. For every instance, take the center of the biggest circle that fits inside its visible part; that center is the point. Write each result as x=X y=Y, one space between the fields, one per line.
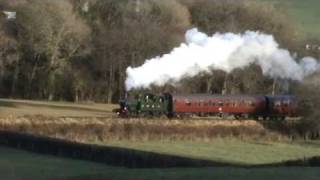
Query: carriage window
x=277 y=103
x=220 y=103
x=286 y=103
x=188 y=103
x=234 y=103
x=251 y=103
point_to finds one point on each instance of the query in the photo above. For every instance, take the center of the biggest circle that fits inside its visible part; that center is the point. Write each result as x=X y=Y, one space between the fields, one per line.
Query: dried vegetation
x=102 y=130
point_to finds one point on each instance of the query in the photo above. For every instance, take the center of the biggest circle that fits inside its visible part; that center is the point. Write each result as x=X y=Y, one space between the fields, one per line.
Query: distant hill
x=305 y=12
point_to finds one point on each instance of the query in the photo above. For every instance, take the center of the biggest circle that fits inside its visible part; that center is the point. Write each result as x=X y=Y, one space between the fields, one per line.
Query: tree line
x=78 y=50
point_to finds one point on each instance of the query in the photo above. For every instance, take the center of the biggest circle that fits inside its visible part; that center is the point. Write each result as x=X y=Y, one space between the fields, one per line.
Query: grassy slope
x=15 y=164
x=305 y=12
x=230 y=150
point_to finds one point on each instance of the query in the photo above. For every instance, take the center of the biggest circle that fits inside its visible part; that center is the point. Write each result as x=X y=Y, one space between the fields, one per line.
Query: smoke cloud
x=227 y=51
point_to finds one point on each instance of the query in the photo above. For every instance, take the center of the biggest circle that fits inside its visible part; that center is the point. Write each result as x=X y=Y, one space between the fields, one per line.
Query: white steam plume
x=225 y=52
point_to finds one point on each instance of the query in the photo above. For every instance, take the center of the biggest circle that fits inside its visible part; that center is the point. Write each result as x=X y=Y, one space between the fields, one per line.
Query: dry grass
x=19 y=108
x=100 y=130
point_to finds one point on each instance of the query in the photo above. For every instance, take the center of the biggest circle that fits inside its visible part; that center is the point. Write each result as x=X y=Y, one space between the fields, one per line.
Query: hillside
x=306 y=13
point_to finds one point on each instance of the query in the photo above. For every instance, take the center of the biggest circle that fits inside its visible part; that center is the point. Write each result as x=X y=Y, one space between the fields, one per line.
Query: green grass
x=21 y=164
x=16 y=164
x=218 y=173
x=229 y=150
x=305 y=12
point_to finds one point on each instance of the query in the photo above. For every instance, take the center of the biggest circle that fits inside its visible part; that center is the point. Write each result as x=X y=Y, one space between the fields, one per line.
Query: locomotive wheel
x=143 y=115
x=151 y=114
x=241 y=116
x=157 y=114
x=163 y=116
x=147 y=114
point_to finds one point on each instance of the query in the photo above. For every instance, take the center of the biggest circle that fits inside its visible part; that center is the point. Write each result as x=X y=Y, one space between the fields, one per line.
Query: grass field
x=231 y=151
x=94 y=124
x=16 y=164
x=306 y=13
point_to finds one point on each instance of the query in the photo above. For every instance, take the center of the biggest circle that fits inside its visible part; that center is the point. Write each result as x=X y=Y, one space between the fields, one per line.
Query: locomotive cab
x=147 y=105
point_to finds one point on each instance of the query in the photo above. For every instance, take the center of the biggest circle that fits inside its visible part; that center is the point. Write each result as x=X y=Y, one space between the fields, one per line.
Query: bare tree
x=9 y=56
x=127 y=37
x=52 y=31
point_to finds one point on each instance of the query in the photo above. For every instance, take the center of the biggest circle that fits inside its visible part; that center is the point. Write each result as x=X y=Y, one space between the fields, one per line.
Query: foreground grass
x=219 y=173
x=16 y=164
x=229 y=150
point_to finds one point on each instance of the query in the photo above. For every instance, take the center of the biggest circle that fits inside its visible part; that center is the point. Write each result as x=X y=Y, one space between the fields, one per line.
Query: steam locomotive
x=182 y=105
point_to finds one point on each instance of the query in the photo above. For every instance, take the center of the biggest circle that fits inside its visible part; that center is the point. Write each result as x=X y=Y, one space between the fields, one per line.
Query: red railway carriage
x=204 y=104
